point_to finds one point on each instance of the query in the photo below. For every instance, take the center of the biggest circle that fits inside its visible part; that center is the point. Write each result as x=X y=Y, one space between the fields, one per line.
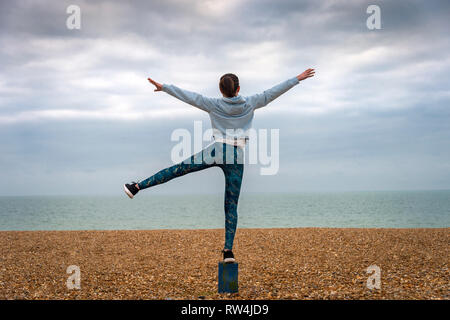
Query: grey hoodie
x=231 y=117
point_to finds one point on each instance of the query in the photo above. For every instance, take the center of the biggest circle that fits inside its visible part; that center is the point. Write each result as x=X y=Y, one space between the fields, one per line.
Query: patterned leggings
x=230 y=159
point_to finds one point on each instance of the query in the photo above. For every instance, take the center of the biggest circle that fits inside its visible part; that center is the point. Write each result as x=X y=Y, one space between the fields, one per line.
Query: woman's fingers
x=156 y=84
x=153 y=82
x=308 y=73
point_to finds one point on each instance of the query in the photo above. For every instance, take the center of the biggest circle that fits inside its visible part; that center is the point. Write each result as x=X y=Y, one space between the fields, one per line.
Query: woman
x=231 y=116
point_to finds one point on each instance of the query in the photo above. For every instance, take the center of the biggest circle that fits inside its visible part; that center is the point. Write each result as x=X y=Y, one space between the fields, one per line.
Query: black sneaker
x=130 y=189
x=228 y=256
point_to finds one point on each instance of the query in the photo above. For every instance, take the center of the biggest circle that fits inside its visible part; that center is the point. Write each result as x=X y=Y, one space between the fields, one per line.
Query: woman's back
x=232 y=114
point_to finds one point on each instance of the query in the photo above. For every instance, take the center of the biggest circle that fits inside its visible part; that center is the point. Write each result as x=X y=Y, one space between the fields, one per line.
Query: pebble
x=294 y=263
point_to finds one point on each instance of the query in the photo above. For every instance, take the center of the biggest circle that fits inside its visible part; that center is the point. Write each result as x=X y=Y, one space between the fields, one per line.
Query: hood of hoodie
x=233 y=106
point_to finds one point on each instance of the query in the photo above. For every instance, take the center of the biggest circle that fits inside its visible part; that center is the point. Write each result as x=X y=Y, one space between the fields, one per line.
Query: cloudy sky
x=77 y=115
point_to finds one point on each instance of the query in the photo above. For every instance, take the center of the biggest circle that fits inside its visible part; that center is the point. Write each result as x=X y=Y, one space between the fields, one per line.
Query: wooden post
x=228 y=277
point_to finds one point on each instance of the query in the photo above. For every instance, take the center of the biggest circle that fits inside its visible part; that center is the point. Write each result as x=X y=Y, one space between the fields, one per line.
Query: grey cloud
x=375 y=116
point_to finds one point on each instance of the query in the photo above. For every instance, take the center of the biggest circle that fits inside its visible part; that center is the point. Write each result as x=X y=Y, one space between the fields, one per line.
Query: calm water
x=387 y=209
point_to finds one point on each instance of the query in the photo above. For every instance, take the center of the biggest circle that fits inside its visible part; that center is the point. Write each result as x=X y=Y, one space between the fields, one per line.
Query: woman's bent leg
x=195 y=163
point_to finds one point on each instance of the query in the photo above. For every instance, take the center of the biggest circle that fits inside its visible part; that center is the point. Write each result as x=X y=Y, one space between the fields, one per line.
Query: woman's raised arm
x=193 y=98
x=262 y=99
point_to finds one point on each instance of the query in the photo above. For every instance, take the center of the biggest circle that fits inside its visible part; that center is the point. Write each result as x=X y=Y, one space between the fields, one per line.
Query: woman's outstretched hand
x=306 y=74
x=156 y=84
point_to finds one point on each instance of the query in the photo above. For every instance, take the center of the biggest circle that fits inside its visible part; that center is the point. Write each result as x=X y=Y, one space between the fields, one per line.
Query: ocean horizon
x=348 y=209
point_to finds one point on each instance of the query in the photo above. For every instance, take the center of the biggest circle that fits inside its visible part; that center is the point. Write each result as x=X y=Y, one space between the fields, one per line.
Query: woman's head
x=229 y=85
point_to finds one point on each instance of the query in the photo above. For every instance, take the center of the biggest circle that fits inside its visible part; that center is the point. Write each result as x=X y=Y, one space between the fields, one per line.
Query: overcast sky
x=77 y=115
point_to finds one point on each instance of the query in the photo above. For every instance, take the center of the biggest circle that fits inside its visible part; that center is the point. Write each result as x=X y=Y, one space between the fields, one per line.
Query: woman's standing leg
x=233 y=180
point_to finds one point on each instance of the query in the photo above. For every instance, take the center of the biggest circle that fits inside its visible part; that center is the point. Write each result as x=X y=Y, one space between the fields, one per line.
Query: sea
x=359 y=209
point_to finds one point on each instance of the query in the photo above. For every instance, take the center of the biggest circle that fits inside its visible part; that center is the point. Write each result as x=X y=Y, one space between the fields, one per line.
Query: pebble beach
x=297 y=263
